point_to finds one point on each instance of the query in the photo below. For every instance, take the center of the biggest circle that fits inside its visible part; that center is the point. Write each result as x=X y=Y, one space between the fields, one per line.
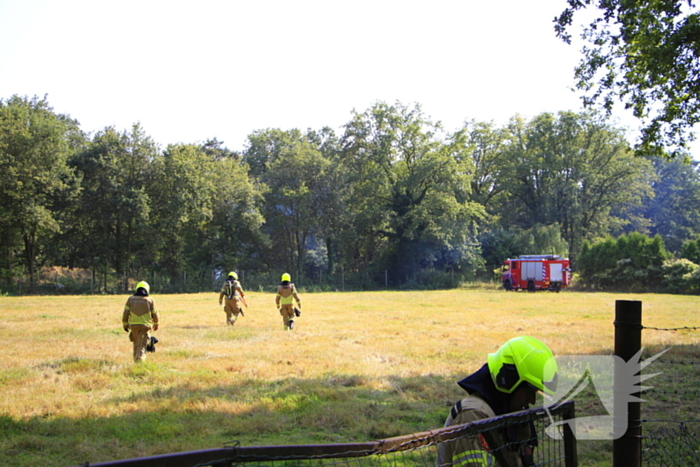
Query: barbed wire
x=680 y=422
x=679 y=362
x=675 y=393
x=685 y=328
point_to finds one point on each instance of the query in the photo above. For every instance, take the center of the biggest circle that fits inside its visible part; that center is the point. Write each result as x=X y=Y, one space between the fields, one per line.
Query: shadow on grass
x=158 y=420
x=338 y=408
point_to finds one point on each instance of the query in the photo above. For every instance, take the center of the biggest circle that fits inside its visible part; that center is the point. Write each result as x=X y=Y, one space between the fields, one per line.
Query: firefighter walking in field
x=233 y=293
x=286 y=294
x=139 y=318
x=509 y=382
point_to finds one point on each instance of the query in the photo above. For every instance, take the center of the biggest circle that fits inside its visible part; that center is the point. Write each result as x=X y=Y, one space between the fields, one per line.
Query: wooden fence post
x=627 y=427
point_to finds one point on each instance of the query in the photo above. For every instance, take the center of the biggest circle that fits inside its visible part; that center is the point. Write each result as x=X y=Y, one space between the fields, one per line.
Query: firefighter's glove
x=126 y=328
x=297 y=312
x=155 y=327
x=219 y=303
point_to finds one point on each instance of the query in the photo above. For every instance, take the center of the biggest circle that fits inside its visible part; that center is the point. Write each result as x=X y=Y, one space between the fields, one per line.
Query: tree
x=35 y=144
x=483 y=148
x=674 y=210
x=232 y=238
x=691 y=250
x=181 y=193
x=301 y=201
x=576 y=171
x=410 y=189
x=114 y=204
x=646 y=53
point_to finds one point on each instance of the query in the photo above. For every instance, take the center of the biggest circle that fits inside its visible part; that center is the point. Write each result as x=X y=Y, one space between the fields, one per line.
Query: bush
x=678 y=275
x=631 y=262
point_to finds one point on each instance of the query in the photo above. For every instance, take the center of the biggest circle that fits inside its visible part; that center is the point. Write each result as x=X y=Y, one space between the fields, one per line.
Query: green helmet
x=144 y=285
x=234 y=275
x=523 y=359
x=286 y=277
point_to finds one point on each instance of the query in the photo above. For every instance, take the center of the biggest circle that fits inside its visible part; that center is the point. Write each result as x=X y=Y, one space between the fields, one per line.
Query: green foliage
x=305 y=193
x=674 y=210
x=691 y=250
x=630 y=262
x=394 y=201
x=410 y=188
x=35 y=179
x=680 y=276
x=646 y=55
x=573 y=170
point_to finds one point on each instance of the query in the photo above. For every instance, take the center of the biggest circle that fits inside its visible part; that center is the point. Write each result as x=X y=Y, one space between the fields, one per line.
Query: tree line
x=391 y=200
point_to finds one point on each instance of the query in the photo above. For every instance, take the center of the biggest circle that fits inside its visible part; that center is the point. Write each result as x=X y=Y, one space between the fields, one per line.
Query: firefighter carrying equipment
x=230 y=287
x=523 y=359
x=151 y=347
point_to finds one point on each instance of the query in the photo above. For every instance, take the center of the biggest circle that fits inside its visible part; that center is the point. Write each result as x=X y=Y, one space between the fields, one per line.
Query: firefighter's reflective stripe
x=146 y=319
x=139 y=310
x=471 y=458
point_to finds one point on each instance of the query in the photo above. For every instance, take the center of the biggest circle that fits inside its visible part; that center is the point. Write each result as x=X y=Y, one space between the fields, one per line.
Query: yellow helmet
x=286 y=277
x=234 y=275
x=523 y=359
x=144 y=285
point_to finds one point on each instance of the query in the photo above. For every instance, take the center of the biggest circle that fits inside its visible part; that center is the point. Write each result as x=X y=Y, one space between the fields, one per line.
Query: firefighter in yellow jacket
x=509 y=382
x=286 y=294
x=233 y=293
x=139 y=318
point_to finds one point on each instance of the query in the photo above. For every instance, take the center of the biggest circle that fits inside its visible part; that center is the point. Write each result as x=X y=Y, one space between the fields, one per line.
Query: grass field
x=358 y=367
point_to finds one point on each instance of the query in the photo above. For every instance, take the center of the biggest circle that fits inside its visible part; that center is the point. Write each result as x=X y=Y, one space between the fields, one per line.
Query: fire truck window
x=515 y=265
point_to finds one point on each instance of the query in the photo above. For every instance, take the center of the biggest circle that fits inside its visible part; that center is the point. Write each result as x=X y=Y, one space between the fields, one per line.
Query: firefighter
x=233 y=292
x=286 y=294
x=508 y=382
x=139 y=318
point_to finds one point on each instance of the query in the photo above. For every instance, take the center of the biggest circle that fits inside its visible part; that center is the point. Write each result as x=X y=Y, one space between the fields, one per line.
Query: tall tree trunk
x=29 y=252
x=127 y=266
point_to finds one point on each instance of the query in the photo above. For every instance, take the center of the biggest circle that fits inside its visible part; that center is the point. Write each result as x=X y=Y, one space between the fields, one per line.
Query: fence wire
x=673 y=446
x=671 y=443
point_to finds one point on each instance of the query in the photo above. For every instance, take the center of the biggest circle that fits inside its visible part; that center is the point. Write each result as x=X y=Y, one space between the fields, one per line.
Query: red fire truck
x=536 y=272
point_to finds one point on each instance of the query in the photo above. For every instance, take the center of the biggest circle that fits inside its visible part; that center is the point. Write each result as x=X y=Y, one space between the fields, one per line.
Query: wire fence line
x=554 y=441
x=669 y=442
x=64 y=281
x=676 y=445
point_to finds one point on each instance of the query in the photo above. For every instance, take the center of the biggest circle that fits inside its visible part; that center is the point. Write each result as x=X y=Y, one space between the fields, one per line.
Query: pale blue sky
x=190 y=71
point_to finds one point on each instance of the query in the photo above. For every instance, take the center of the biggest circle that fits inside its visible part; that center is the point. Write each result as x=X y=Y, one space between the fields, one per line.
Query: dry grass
x=358 y=366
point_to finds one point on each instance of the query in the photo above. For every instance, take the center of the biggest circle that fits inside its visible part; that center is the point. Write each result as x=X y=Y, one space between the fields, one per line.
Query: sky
x=190 y=71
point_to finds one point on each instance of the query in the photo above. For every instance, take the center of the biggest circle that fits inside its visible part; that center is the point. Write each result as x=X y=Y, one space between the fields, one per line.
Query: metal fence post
x=627 y=428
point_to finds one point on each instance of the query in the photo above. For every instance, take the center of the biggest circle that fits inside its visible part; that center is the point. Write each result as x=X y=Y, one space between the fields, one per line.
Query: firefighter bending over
x=509 y=382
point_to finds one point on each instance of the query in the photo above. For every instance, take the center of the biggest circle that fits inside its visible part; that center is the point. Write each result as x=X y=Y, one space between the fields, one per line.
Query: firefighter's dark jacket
x=482 y=383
